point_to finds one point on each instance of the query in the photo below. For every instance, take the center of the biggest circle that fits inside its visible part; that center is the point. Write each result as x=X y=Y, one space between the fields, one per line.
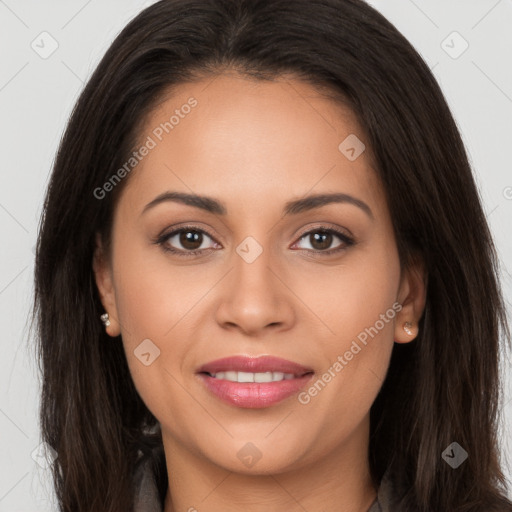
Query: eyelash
x=160 y=240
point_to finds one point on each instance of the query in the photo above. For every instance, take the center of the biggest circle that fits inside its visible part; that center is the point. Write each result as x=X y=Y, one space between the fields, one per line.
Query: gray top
x=147 y=498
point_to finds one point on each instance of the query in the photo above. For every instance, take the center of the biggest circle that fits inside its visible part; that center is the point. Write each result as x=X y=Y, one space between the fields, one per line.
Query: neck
x=340 y=481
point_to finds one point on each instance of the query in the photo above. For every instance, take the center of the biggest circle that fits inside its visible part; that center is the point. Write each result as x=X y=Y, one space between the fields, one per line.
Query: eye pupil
x=188 y=239
x=321 y=240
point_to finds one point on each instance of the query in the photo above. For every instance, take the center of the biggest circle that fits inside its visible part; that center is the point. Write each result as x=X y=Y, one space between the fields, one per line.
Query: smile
x=253 y=377
x=253 y=382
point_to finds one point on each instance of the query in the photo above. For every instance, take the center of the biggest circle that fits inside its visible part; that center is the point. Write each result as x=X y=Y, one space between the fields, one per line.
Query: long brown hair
x=441 y=388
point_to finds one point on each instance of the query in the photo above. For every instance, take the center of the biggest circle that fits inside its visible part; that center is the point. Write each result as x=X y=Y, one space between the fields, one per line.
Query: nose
x=255 y=297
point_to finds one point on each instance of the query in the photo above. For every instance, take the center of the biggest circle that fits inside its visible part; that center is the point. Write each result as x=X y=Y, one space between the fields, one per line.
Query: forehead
x=243 y=140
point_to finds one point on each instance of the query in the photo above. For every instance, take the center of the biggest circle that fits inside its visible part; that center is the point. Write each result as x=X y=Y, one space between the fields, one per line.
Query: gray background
x=36 y=97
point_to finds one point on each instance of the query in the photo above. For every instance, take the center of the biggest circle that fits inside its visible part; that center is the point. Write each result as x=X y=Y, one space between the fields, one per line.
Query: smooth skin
x=254 y=146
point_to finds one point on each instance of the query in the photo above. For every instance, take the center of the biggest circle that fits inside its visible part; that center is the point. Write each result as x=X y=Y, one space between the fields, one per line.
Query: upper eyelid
x=179 y=229
x=327 y=226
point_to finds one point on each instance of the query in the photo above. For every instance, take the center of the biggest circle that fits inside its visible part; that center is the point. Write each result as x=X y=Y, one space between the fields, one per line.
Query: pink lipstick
x=254 y=382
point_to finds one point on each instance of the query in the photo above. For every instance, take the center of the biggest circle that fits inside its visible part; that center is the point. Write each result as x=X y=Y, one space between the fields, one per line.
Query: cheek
x=152 y=309
x=153 y=294
x=351 y=297
x=356 y=303
x=158 y=300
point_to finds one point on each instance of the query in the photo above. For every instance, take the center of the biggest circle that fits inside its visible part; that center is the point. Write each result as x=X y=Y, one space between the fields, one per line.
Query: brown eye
x=322 y=239
x=190 y=240
x=186 y=241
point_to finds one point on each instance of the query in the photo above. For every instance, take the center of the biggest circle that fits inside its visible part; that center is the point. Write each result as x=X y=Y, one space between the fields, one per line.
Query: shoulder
x=392 y=497
x=386 y=495
x=146 y=494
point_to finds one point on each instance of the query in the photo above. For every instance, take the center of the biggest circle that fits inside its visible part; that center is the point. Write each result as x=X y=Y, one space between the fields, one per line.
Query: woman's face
x=268 y=278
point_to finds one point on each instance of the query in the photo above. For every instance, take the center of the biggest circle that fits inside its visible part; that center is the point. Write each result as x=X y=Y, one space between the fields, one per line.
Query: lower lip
x=254 y=395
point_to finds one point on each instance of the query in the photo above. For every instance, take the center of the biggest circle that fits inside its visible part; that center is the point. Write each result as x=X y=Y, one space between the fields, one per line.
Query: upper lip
x=254 y=364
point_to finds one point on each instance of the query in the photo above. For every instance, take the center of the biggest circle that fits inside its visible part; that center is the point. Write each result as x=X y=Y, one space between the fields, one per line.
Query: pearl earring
x=407 y=328
x=105 y=320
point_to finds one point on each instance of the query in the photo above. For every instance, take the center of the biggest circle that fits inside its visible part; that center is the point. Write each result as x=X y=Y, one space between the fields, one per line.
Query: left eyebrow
x=291 y=207
x=318 y=200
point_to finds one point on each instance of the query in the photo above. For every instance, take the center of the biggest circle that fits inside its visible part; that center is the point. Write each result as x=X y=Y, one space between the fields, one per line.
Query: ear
x=103 y=277
x=412 y=295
